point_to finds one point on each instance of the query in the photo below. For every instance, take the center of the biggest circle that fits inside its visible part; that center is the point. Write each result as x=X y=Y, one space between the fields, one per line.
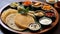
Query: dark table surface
x=55 y=30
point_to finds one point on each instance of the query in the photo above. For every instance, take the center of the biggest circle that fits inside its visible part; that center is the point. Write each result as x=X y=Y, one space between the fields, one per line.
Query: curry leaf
x=24 y=11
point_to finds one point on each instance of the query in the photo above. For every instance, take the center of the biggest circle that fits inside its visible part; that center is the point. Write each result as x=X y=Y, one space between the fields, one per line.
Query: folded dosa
x=10 y=22
x=6 y=13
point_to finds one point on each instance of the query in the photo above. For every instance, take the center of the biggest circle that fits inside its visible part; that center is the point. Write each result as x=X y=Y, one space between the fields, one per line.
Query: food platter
x=30 y=17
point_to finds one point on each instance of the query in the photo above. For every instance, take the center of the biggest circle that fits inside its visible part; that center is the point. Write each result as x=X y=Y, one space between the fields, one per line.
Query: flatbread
x=6 y=13
x=10 y=22
x=23 y=21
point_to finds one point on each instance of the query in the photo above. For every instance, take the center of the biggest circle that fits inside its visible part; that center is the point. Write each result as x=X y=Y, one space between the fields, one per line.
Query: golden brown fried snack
x=46 y=7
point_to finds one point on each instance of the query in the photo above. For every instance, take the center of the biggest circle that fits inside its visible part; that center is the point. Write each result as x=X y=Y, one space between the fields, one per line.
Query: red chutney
x=27 y=3
x=49 y=14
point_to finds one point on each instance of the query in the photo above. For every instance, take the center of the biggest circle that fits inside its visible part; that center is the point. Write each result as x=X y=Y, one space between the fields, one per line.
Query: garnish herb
x=24 y=10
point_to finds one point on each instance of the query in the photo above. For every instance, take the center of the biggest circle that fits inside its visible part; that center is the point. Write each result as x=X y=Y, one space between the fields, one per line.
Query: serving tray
x=42 y=31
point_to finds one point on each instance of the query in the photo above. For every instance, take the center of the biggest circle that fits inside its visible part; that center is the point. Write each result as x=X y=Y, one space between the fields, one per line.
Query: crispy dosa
x=6 y=13
x=11 y=23
x=23 y=21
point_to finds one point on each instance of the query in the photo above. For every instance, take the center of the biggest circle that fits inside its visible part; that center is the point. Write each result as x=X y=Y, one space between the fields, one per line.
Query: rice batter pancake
x=7 y=12
x=11 y=23
x=23 y=21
